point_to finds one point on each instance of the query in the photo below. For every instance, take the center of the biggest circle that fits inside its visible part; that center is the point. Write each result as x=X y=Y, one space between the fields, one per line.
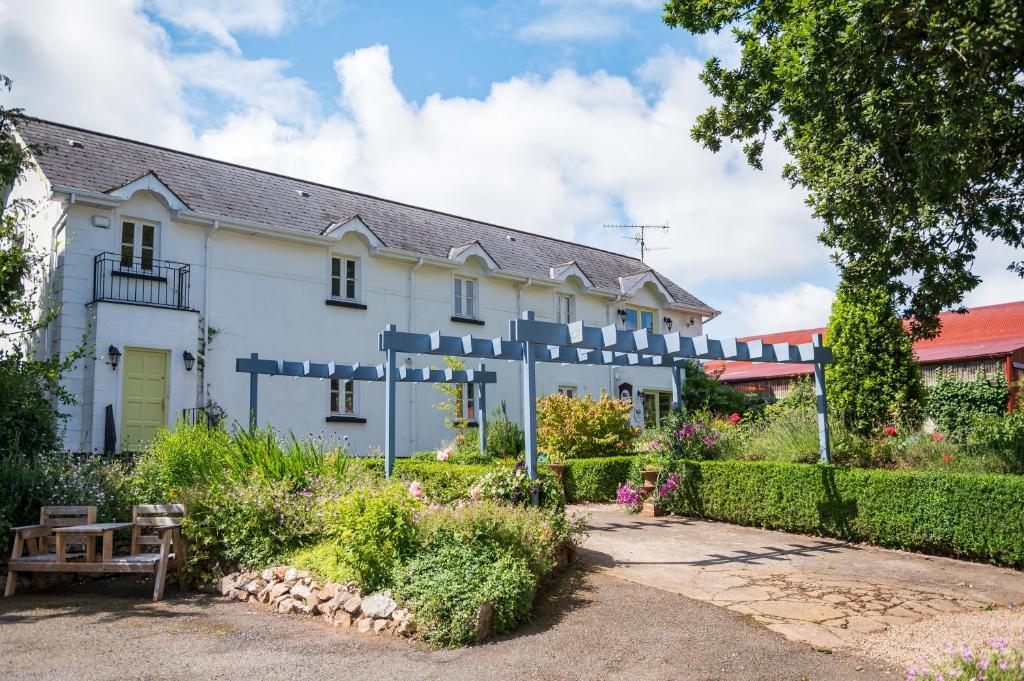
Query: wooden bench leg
x=161 y=570
x=12 y=583
x=12 y=576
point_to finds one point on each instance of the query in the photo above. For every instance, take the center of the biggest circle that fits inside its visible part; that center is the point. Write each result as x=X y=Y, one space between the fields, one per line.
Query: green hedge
x=974 y=516
x=595 y=479
x=442 y=482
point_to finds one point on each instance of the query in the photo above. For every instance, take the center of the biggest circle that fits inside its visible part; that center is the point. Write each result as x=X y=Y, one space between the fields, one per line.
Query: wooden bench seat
x=47 y=558
x=156 y=525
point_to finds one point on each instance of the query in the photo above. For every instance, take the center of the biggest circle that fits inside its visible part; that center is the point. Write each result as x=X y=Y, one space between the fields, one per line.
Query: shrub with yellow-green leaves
x=582 y=427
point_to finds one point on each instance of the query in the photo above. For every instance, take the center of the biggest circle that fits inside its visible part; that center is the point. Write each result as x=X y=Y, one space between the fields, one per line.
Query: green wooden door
x=144 y=406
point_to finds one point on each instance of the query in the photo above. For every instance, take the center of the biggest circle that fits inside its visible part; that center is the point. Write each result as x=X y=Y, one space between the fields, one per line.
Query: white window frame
x=138 y=229
x=569 y=390
x=343 y=277
x=459 y=296
x=565 y=308
x=340 y=389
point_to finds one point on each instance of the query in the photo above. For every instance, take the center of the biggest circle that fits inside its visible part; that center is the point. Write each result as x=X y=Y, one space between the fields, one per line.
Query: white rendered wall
x=267 y=295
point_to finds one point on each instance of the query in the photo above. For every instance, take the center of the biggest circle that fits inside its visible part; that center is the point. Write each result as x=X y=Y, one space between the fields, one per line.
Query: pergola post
x=389 y=408
x=530 y=402
x=481 y=406
x=254 y=386
x=824 y=445
x=678 y=378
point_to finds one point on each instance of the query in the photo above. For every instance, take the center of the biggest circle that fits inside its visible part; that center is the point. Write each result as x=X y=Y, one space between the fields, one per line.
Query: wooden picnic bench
x=154 y=525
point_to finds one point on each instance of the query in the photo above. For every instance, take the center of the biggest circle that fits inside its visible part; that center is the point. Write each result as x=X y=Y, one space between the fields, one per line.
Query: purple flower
x=627 y=495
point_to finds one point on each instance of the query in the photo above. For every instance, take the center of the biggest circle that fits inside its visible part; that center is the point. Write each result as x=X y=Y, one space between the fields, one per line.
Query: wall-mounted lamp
x=622 y=315
x=691 y=322
x=668 y=322
x=190 y=361
x=114 y=356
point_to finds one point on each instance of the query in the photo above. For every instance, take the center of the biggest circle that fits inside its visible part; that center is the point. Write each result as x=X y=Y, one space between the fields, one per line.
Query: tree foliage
x=29 y=419
x=874 y=379
x=954 y=404
x=904 y=122
x=703 y=391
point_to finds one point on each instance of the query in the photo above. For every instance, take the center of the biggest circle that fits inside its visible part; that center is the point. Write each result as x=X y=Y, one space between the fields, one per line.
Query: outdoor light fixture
x=691 y=322
x=668 y=322
x=622 y=315
x=189 y=360
x=114 y=355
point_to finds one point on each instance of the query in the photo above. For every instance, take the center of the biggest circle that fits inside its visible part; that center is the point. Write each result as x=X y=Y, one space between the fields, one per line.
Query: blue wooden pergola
x=531 y=341
x=478 y=378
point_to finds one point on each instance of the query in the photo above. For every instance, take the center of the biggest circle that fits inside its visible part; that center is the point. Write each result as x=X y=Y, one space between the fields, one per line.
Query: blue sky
x=556 y=117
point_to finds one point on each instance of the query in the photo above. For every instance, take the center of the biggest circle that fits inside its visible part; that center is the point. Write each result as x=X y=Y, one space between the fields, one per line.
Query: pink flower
x=475 y=494
x=946 y=458
x=938 y=437
x=443 y=454
x=734 y=418
x=416 y=489
x=889 y=431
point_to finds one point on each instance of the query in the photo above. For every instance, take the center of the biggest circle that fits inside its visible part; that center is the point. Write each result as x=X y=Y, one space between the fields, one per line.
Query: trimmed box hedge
x=595 y=479
x=442 y=482
x=973 y=516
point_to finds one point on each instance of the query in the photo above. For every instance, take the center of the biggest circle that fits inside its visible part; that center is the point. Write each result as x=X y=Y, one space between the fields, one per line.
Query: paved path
x=820 y=591
x=590 y=627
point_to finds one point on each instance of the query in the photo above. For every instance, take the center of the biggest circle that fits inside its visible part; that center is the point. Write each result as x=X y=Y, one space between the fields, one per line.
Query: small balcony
x=141 y=281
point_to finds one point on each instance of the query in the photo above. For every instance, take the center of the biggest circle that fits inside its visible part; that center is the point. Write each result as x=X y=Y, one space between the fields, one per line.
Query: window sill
x=130 y=274
x=343 y=418
x=468 y=320
x=345 y=303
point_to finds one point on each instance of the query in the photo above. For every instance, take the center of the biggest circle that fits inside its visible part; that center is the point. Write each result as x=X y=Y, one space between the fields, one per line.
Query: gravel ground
x=588 y=626
x=908 y=643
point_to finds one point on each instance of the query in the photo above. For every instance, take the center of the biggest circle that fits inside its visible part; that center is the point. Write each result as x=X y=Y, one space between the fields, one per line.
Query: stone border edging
x=287 y=590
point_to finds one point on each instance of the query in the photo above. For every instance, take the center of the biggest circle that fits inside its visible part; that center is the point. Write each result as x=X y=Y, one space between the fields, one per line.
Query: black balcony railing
x=141 y=281
x=209 y=416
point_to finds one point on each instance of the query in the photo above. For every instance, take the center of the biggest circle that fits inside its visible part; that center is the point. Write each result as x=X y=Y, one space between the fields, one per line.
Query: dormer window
x=138 y=245
x=464 y=294
x=344 y=278
x=565 y=308
x=641 y=318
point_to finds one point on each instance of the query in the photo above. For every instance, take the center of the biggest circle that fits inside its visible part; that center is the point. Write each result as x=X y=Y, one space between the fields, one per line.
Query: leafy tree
x=954 y=404
x=704 y=391
x=28 y=416
x=874 y=379
x=904 y=122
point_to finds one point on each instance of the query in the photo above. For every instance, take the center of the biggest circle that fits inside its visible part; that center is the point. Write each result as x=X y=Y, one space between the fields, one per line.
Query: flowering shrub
x=995 y=661
x=693 y=439
x=514 y=486
x=630 y=497
x=582 y=427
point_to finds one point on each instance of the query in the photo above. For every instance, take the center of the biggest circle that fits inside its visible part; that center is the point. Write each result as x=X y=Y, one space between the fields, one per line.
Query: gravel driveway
x=590 y=626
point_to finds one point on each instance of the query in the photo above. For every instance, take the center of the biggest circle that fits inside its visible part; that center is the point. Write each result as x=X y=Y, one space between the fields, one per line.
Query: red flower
x=938 y=437
x=734 y=418
x=946 y=458
x=889 y=431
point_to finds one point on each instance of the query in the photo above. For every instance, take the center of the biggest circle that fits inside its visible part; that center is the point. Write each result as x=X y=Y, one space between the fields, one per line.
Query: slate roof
x=985 y=331
x=104 y=162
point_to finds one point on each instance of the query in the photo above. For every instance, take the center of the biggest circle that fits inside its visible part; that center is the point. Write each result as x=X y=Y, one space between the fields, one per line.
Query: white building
x=155 y=248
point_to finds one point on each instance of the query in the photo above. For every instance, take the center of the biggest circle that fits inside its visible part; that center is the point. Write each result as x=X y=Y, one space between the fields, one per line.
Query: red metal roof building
x=989 y=338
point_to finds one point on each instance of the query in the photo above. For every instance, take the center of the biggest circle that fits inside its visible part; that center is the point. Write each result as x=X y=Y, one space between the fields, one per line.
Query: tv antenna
x=639 y=236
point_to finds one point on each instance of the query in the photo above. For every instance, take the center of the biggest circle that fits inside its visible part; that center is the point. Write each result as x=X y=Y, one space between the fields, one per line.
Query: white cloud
x=570 y=20
x=803 y=306
x=249 y=84
x=221 y=18
x=105 y=67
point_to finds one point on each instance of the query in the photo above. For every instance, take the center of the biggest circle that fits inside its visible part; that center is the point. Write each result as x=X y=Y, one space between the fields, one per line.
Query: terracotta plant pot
x=558 y=469
x=650 y=481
